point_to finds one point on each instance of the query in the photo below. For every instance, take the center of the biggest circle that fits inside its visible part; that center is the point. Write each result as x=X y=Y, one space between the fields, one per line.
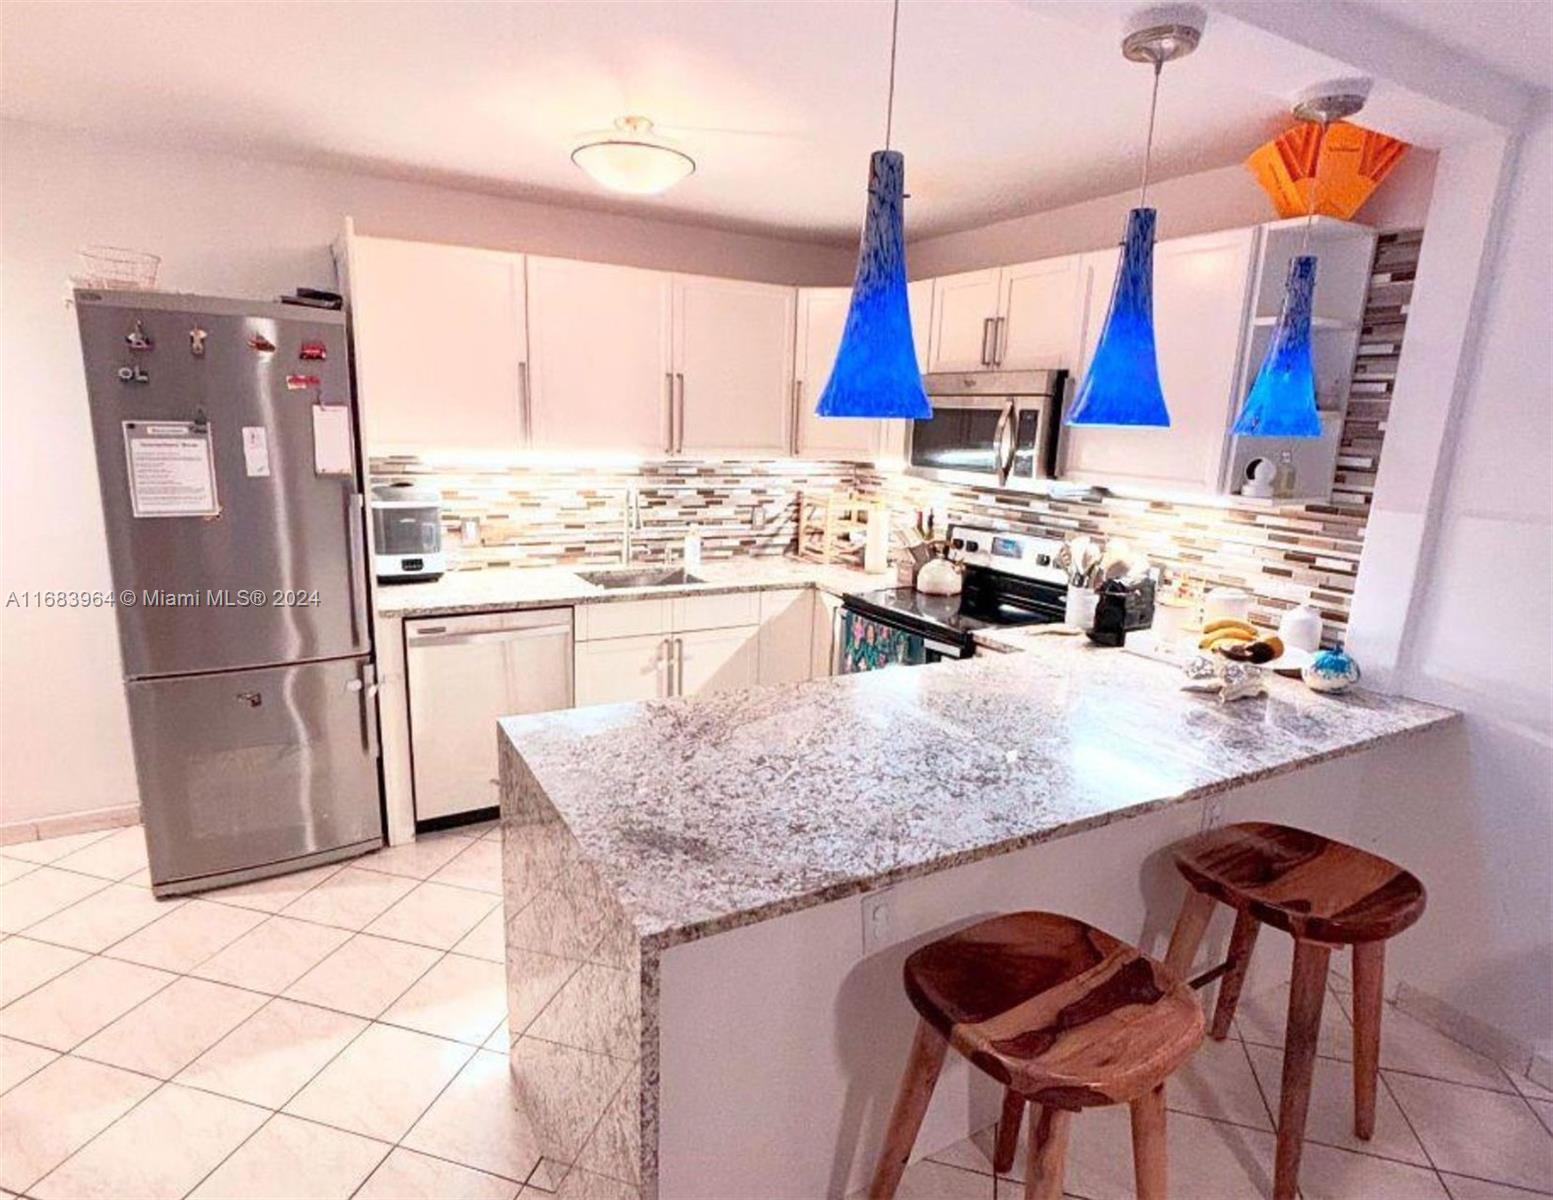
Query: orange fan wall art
x=1349 y=161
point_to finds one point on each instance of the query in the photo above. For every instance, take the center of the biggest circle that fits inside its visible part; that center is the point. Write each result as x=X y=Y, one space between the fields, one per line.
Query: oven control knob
x=1043 y=560
x=958 y=543
x=972 y=546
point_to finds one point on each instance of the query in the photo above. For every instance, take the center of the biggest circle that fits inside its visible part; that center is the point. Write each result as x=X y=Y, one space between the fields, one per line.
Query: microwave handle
x=1003 y=442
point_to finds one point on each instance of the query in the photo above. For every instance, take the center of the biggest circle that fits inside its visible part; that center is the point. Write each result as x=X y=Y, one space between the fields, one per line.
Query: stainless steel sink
x=639 y=577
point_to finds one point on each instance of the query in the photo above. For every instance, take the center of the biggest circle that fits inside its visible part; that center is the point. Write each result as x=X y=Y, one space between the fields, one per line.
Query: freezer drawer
x=250 y=773
x=464 y=673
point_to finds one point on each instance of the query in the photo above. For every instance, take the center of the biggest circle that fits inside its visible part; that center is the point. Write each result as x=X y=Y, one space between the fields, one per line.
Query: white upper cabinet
x=1201 y=292
x=822 y=315
x=601 y=371
x=440 y=345
x=733 y=364
x=1038 y=315
x=1023 y=317
x=965 y=309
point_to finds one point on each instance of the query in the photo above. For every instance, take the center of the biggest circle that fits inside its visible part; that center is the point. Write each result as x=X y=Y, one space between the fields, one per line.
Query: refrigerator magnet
x=299 y=383
x=260 y=344
x=313 y=352
x=138 y=339
x=197 y=338
x=332 y=440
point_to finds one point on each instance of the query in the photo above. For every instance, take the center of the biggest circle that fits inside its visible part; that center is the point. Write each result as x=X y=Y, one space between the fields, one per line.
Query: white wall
x=1478 y=827
x=229 y=227
x=1226 y=198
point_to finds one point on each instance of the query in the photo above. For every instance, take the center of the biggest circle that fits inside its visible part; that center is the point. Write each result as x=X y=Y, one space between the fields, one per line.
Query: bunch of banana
x=1225 y=631
x=1239 y=641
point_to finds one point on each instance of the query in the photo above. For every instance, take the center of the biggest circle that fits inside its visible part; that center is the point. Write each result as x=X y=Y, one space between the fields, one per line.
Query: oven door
x=968 y=439
x=865 y=643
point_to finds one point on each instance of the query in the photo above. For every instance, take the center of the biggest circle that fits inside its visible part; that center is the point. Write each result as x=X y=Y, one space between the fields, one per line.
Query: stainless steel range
x=1010 y=579
x=231 y=496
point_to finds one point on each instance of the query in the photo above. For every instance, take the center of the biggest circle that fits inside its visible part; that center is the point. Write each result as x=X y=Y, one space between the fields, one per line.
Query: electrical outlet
x=878 y=920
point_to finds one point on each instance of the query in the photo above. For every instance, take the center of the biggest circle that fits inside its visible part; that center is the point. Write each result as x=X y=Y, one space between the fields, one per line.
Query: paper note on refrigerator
x=332 y=440
x=256 y=451
x=171 y=471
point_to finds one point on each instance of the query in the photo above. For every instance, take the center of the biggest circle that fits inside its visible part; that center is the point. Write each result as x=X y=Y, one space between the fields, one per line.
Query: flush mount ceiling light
x=632 y=159
x=876 y=372
x=1282 y=399
x=1121 y=386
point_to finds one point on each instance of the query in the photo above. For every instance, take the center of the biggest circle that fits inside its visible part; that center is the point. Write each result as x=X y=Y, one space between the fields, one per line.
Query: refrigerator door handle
x=367 y=686
x=355 y=561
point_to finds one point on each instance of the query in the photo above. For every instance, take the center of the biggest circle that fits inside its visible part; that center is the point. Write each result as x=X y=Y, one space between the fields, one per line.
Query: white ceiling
x=1003 y=107
x=999 y=109
x=1513 y=37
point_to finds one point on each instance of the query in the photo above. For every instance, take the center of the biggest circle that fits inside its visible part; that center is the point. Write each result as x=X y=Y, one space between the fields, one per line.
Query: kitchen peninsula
x=708 y=903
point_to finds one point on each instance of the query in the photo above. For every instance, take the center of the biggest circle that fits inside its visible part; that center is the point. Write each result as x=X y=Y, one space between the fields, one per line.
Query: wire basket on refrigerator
x=116 y=267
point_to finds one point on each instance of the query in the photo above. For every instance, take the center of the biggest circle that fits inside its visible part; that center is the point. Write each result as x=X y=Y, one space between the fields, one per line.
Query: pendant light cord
x=1315 y=184
x=1148 y=145
x=889 y=111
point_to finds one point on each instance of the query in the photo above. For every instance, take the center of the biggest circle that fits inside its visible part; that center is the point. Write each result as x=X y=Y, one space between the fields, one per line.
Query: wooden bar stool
x=1063 y=1016
x=1325 y=894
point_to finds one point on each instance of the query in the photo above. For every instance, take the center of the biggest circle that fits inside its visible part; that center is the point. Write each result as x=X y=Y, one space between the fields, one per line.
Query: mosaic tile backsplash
x=537 y=515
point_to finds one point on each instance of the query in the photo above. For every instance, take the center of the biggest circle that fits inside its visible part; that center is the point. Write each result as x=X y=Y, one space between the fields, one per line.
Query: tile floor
x=342 y=1033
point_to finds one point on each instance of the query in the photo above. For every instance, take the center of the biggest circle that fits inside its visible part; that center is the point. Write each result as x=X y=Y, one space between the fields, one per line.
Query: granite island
x=707 y=903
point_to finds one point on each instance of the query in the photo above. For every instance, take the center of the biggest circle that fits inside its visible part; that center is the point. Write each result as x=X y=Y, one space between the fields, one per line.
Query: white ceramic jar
x=1226 y=604
x=1300 y=628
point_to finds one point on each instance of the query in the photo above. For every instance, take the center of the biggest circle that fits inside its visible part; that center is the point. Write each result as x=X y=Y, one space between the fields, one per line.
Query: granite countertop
x=703 y=815
x=499 y=589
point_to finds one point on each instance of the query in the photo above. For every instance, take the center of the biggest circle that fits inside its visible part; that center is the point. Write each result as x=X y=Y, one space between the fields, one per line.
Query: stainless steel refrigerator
x=233 y=504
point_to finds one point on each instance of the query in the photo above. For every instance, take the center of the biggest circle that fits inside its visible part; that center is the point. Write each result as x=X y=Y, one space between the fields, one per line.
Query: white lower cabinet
x=786 y=636
x=615 y=670
x=693 y=645
x=717 y=660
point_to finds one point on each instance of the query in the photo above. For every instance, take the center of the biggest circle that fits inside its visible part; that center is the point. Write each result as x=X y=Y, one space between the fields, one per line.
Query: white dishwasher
x=464 y=673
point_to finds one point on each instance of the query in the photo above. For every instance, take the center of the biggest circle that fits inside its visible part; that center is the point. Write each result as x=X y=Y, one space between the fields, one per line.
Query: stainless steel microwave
x=989 y=428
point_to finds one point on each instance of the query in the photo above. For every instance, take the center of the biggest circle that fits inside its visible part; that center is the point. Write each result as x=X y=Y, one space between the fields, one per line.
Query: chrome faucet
x=630 y=523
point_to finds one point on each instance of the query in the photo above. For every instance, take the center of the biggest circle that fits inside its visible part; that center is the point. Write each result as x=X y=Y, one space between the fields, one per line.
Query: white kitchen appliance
x=465 y=673
x=406 y=533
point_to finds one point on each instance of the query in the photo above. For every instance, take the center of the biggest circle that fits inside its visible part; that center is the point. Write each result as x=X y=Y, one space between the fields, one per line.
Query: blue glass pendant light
x=876 y=374
x=1121 y=385
x=1282 y=399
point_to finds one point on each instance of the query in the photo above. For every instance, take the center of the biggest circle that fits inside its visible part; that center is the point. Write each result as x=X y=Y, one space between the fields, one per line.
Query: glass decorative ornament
x=876 y=373
x=1282 y=400
x=633 y=160
x=1121 y=386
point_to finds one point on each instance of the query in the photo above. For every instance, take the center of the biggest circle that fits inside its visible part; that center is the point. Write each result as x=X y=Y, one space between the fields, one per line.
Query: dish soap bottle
x=692 y=551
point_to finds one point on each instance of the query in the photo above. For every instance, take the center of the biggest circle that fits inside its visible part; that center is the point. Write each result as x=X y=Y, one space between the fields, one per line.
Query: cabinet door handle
x=526 y=404
x=999 y=340
x=668 y=392
x=679 y=445
x=986 y=339
x=679 y=666
x=797 y=414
